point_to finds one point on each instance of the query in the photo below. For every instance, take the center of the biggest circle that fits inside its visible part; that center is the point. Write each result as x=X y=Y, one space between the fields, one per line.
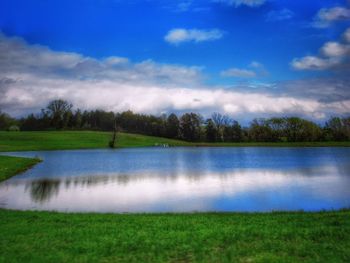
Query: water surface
x=182 y=180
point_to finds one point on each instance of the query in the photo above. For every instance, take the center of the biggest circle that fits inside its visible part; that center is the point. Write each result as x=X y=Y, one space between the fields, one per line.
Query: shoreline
x=11 y=166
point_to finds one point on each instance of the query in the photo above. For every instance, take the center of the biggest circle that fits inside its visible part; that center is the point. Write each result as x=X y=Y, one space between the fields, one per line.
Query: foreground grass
x=60 y=140
x=10 y=166
x=202 y=237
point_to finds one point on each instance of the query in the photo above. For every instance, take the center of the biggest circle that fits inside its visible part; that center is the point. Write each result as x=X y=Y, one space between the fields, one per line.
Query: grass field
x=59 y=140
x=212 y=237
x=9 y=166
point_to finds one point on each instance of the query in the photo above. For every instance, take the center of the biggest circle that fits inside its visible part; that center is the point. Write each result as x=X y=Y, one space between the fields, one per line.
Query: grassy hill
x=60 y=140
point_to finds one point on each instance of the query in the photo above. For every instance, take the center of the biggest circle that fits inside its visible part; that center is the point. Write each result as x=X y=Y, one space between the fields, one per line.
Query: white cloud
x=333 y=55
x=240 y=73
x=347 y=35
x=256 y=64
x=108 y=95
x=333 y=14
x=326 y=16
x=256 y=69
x=180 y=35
x=335 y=49
x=236 y=3
x=32 y=75
x=279 y=15
x=116 y=61
x=313 y=63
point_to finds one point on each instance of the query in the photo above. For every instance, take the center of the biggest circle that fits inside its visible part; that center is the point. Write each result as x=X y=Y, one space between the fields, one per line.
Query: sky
x=244 y=58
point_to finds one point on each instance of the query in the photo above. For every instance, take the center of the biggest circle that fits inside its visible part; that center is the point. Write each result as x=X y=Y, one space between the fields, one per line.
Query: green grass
x=203 y=237
x=276 y=144
x=59 y=140
x=10 y=166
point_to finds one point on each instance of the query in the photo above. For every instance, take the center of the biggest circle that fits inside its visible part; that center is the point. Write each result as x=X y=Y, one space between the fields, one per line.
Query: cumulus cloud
x=32 y=75
x=279 y=15
x=255 y=69
x=335 y=49
x=237 y=3
x=326 y=16
x=180 y=35
x=332 y=55
x=328 y=90
x=313 y=63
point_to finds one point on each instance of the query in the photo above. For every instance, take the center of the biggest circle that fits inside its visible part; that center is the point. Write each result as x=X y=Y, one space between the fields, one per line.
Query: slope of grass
x=10 y=166
x=60 y=140
x=202 y=237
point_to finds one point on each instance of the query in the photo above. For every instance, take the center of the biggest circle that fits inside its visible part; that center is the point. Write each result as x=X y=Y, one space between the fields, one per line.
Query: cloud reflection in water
x=152 y=191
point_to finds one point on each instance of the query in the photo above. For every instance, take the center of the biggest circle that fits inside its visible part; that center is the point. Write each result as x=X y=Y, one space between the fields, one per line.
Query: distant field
x=59 y=140
x=202 y=237
x=10 y=166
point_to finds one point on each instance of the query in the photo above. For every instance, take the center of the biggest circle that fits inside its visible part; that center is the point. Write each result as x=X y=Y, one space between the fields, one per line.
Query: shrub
x=13 y=128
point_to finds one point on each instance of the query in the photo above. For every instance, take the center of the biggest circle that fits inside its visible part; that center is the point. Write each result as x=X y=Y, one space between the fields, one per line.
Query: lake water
x=182 y=180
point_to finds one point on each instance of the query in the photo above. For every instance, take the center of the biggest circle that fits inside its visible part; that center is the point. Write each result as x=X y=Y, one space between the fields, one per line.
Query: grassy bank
x=59 y=140
x=10 y=166
x=213 y=237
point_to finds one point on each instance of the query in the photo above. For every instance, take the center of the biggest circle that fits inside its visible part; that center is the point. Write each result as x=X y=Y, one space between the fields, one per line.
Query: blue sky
x=236 y=45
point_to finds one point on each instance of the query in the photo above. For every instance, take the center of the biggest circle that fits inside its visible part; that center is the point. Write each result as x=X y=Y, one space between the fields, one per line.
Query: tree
x=59 y=115
x=236 y=132
x=210 y=131
x=59 y=112
x=278 y=127
x=260 y=131
x=114 y=135
x=337 y=129
x=190 y=126
x=220 y=122
x=298 y=130
x=6 y=121
x=77 y=119
x=172 y=126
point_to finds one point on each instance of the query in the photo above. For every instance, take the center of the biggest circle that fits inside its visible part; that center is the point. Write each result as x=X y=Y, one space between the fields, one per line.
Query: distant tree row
x=59 y=115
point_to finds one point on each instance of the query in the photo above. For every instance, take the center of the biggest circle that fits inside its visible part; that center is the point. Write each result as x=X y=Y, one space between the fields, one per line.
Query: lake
x=183 y=179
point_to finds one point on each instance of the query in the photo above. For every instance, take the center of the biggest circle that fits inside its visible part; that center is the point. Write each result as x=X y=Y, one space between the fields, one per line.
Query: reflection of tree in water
x=42 y=190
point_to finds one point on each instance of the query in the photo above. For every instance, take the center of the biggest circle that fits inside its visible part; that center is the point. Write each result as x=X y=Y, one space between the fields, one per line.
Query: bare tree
x=114 y=136
x=220 y=122
x=59 y=112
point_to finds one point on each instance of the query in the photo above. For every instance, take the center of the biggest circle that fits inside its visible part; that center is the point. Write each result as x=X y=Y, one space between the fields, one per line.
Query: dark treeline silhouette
x=59 y=115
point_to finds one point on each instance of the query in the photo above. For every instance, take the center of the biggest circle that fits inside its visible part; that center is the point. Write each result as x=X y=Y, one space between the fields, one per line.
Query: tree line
x=59 y=115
